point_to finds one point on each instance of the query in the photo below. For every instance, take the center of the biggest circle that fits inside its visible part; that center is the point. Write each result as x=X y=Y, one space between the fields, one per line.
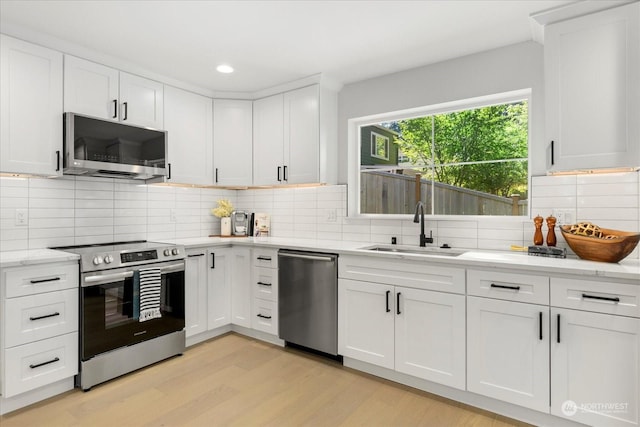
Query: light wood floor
x=238 y=381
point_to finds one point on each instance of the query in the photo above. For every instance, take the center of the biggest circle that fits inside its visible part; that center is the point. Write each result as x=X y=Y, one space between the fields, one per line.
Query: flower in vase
x=223 y=210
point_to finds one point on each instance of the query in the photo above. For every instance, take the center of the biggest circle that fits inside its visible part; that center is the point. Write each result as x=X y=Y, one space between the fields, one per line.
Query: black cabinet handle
x=213 y=260
x=115 y=108
x=612 y=299
x=44 y=280
x=387 y=298
x=169 y=171
x=194 y=255
x=284 y=175
x=54 y=360
x=540 y=325
x=126 y=111
x=513 y=288
x=398 y=302
x=558 y=330
x=45 y=316
x=263 y=316
x=264 y=284
x=57 y=161
x=216 y=175
x=264 y=258
x=552 y=159
x=279 y=180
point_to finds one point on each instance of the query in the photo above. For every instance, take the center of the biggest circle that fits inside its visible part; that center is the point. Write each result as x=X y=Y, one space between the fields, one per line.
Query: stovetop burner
x=104 y=256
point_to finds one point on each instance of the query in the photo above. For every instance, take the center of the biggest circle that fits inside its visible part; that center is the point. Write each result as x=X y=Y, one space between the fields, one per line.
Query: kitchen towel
x=150 y=287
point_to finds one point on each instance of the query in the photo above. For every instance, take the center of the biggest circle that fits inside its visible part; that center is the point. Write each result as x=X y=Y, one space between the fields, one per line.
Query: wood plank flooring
x=237 y=381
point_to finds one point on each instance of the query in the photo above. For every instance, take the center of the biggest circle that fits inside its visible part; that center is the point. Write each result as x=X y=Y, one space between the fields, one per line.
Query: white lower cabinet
x=241 y=286
x=264 y=290
x=219 y=287
x=413 y=331
x=508 y=351
x=195 y=291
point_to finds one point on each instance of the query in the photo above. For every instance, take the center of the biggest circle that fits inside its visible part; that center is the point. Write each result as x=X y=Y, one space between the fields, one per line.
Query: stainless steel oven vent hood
x=108 y=149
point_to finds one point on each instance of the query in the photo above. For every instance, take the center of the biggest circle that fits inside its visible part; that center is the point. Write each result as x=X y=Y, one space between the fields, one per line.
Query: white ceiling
x=274 y=42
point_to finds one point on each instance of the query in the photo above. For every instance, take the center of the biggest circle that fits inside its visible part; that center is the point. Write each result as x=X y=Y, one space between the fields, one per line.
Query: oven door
x=108 y=312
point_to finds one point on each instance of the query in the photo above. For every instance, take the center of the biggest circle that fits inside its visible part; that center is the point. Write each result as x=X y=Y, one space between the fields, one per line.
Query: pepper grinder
x=538 y=238
x=551 y=234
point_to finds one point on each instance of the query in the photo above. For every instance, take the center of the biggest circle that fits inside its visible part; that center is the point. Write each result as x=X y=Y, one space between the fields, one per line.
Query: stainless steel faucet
x=423 y=238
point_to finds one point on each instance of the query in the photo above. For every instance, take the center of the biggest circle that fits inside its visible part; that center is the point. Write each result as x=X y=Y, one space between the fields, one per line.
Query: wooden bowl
x=598 y=249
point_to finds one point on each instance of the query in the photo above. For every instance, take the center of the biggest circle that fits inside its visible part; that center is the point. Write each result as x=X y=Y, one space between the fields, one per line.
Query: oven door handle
x=172 y=268
x=106 y=278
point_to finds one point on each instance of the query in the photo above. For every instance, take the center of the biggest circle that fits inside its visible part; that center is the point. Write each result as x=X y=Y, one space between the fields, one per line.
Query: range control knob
x=108 y=259
x=175 y=251
x=97 y=260
x=167 y=252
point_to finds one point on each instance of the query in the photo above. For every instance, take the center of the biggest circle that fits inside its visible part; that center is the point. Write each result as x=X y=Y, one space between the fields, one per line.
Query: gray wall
x=509 y=68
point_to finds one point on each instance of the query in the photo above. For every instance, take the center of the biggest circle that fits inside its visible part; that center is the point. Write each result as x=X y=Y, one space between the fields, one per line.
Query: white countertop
x=628 y=269
x=34 y=256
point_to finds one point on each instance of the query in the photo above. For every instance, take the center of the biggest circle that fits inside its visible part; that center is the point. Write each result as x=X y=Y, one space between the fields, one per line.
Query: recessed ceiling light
x=225 y=69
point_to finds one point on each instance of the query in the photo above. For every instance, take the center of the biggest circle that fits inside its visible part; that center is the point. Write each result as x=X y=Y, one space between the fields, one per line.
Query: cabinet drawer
x=265 y=316
x=34 y=365
x=35 y=279
x=412 y=274
x=36 y=317
x=508 y=286
x=602 y=297
x=265 y=283
x=264 y=257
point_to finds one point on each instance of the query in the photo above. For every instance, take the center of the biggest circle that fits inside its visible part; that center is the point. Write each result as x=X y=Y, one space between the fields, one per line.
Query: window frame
x=374 y=146
x=354 y=141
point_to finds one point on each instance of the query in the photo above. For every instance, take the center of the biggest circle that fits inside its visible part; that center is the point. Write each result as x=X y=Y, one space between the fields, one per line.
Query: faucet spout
x=420 y=211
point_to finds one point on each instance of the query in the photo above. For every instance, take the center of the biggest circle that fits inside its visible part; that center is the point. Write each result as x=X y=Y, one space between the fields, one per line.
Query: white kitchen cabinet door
x=595 y=371
x=91 y=89
x=141 y=101
x=219 y=288
x=268 y=140
x=195 y=291
x=30 y=108
x=366 y=322
x=508 y=351
x=188 y=120
x=592 y=64
x=241 y=286
x=302 y=135
x=233 y=142
x=430 y=336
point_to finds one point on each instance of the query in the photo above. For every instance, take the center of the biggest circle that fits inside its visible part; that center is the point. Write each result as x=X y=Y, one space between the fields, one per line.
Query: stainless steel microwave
x=98 y=147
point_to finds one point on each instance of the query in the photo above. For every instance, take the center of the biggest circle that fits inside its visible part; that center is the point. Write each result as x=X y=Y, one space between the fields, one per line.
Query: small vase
x=225 y=226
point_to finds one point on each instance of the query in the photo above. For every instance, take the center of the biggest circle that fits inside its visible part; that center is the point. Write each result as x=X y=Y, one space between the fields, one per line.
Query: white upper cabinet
x=100 y=91
x=232 y=142
x=188 y=120
x=592 y=90
x=30 y=108
x=286 y=138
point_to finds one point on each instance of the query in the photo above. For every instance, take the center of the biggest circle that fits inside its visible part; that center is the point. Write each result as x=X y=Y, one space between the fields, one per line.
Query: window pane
x=471 y=162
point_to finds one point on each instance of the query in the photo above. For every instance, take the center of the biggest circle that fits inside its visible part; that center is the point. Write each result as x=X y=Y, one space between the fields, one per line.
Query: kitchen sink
x=431 y=251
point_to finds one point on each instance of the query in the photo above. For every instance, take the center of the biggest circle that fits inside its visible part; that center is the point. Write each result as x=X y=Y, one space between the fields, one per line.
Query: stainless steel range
x=131 y=307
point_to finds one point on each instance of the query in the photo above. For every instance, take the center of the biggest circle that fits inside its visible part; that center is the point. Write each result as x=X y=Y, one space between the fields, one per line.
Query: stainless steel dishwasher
x=308 y=299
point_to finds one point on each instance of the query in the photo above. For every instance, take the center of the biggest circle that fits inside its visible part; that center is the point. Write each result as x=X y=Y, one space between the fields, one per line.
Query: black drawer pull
x=398 y=303
x=263 y=316
x=115 y=109
x=264 y=258
x=558 y=330
x=194 y=255
x=513 y=288
x=37 y=365
x=45 y=280
x=45 y=316
x=388 y=309
x=612 y=299
x=264 y=284
x=552 y=152
x=213 y=260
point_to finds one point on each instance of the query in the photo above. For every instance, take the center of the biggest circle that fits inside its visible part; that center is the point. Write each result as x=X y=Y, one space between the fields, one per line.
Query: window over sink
x=461 y=158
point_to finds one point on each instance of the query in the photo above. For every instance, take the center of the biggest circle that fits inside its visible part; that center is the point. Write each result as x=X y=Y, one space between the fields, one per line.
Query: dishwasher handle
x=310 y=257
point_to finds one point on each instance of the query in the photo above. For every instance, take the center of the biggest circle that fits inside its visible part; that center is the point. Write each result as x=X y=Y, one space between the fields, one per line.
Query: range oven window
x=109 y=318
